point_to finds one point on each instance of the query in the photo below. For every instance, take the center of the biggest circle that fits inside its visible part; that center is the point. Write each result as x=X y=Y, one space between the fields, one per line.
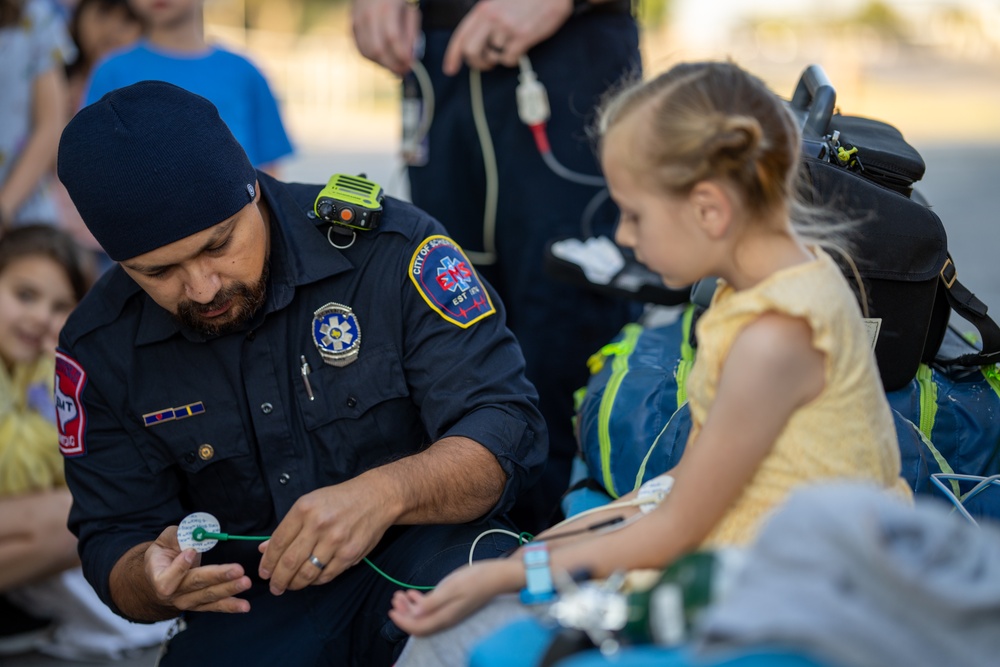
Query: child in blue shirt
x=173 y=49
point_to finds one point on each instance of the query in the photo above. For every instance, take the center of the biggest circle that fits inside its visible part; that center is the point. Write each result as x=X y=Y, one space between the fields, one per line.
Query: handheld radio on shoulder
x=350 y=201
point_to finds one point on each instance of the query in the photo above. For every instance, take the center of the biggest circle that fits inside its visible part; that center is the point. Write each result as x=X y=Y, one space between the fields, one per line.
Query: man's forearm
x=453 y=481
x=131 y=591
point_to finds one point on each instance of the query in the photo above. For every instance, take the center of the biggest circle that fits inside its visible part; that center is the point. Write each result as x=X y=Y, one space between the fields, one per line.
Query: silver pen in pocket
x=305 y=377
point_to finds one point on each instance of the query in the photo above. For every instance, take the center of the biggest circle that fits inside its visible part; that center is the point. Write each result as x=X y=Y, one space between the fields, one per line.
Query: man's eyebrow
x=221 y=231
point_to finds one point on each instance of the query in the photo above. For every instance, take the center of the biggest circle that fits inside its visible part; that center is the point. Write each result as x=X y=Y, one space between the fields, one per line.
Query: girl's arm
x=772 y=370
x=48 y=116
x=34 y=540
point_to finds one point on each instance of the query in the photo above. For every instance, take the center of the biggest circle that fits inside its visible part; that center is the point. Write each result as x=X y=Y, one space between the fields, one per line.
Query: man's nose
x=202 y=284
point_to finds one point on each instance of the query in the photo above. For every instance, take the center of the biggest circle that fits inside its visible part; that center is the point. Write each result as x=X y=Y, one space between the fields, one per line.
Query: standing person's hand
x=325 y=532
x=386 y=32
x=501 y=31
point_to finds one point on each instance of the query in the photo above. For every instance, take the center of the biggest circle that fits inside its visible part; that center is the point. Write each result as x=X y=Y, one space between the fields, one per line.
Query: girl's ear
x=713 y=208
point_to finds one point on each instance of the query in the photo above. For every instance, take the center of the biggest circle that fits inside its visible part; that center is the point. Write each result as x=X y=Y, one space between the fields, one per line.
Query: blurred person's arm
x=34 y=540
x=49 y=99
x=386 y=32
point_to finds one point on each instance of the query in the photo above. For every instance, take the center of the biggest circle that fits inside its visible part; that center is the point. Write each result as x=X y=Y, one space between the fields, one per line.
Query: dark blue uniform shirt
x=260 y=443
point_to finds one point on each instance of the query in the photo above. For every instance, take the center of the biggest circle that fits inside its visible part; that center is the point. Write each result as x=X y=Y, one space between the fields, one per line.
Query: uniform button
x=266 y=408
x=251 y=335
x=283 y=479
x=190 y=457
x=206 y=452
x=351 y=401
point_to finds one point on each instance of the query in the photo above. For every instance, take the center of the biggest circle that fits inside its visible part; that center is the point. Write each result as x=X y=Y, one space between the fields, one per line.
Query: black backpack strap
x=970 y=308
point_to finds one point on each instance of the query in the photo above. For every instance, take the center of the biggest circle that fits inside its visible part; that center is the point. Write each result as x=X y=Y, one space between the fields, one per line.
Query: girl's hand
x=459 y=595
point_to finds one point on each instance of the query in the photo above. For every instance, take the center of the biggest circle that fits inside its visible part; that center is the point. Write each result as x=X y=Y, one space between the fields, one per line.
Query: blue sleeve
x=271 y=139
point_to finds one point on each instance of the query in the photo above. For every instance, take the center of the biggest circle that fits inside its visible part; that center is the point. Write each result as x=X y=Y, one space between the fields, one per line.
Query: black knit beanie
x=150 y=164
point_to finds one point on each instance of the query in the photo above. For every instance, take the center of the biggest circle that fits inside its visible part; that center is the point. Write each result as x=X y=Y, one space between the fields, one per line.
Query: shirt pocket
x=212 y=457
x=361 y=415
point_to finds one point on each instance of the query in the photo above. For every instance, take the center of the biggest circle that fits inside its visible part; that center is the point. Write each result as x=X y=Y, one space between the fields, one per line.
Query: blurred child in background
x=34 y=45
x=43 y=275
x=98 y=28
x=173 y=49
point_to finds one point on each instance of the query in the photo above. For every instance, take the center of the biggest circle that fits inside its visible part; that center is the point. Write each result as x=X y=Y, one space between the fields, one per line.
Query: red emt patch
x=71 y=419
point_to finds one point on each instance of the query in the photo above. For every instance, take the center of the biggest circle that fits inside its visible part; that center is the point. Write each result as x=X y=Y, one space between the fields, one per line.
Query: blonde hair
x=715 y=120
x=712 y=120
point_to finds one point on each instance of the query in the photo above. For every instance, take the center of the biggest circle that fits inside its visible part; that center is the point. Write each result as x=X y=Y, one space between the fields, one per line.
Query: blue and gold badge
x=337 y=334
x=446 y=280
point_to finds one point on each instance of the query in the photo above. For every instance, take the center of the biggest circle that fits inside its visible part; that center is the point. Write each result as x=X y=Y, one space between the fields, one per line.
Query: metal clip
x=949 y=278
x=305 y=370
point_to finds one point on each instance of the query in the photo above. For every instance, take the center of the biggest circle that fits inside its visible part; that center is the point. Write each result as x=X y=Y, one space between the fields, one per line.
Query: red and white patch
x=70 y=416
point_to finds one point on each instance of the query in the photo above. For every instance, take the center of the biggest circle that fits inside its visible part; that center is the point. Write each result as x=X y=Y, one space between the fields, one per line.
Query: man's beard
x=246 y=301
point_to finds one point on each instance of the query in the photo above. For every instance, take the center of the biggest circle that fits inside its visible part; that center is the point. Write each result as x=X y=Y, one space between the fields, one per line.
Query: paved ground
x=963 y=186
x=146 y=659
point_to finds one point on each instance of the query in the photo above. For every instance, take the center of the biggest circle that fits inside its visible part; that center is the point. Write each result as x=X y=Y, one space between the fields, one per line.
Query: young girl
x=41 y=279
x=98 y=27
x=702 y=162
x=43 y=274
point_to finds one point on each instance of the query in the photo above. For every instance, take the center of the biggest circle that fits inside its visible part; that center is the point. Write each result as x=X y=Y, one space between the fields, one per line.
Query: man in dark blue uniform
x=505 y=202
x=362 y=405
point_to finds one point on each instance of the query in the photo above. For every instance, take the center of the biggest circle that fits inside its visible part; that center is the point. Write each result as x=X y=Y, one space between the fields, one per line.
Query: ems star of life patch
x=70 y=416
x=446 y=280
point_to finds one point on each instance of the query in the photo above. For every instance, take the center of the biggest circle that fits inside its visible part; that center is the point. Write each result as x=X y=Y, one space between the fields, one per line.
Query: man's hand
x=154 y=581
x=180 y=582
x=338 y=525
x=501 y=31
x=386 y=32
x=455 y=480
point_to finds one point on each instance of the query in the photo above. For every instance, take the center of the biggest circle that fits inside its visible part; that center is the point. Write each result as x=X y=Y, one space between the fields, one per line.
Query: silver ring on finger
x=317 y=562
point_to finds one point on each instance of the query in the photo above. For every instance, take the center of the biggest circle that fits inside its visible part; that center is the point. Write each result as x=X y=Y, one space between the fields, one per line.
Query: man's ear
x=712 y=207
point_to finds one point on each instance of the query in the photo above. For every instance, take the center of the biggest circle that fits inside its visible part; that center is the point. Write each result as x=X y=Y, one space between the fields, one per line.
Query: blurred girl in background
x=34 y=45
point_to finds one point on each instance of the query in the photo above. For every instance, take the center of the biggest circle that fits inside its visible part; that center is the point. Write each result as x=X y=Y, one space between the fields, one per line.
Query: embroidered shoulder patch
x=446 y=280
x=70 y=416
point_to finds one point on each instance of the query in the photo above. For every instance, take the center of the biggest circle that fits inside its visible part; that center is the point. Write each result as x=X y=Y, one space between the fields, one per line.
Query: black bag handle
x=813 y=101
x=970 y=308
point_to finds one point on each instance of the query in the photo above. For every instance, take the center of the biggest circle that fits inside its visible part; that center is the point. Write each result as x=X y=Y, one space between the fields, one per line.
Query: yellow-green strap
x=992 y=375
x=645 y=459
x=619 y=368
x=928 y=414
x=680 y=377
x=928 y=399
x=687 y=355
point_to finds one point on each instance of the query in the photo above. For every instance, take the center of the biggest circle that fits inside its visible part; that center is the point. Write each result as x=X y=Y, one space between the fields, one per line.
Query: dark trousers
x=558 y=325
x=343 y=622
